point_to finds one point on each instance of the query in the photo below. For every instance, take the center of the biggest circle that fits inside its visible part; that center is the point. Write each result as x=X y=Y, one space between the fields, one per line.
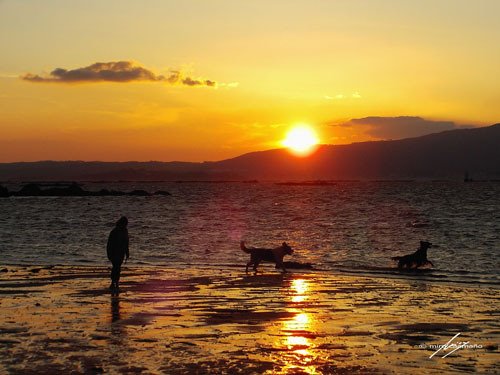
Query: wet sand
x=223 y=321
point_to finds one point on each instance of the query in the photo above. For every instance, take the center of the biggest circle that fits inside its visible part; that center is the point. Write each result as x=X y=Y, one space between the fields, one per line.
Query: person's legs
x=115 y=273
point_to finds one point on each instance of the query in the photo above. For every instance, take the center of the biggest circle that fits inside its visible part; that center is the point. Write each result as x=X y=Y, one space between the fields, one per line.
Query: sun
x=301 y=140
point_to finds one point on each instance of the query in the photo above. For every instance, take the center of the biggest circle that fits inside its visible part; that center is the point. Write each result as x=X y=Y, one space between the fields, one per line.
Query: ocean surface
x=347 y=227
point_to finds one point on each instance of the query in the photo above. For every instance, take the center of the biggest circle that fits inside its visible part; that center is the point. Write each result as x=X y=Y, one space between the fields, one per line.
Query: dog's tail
x=243 y=247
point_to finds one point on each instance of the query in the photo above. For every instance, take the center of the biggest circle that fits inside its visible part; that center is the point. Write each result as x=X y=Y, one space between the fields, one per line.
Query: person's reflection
x=115 y=309
x=117 y=328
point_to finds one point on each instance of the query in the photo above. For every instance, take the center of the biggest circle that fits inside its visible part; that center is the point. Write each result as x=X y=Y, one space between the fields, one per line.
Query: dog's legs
x=248 y=265
x=255 y=265
x=281 y=265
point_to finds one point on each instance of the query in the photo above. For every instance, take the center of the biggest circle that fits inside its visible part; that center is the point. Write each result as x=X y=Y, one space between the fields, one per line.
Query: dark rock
x=4 y=192
x=73 y=190
x=161 y=192
x=30 y=190
x=106 y=192
x=117 y=193
x=139 y=193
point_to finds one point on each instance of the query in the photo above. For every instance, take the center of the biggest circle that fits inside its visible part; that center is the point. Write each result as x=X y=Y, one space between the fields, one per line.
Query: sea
x=348 y=227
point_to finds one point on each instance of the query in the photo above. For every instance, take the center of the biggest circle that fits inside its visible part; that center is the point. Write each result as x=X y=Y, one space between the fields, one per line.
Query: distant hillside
x=442 y=155
x=445 y=155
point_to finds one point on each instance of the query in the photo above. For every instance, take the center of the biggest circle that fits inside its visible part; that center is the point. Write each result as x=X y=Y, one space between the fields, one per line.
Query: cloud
x=399 y=127
x=176 y=77
x=195 y=82
x=115 y=71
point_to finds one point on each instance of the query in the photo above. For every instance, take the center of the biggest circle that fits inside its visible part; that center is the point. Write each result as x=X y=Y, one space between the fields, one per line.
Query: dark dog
x=417 y=259
x=258 y=255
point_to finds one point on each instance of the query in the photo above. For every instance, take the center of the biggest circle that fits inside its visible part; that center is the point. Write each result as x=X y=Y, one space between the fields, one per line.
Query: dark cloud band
x=115 y=71
x=400 y=127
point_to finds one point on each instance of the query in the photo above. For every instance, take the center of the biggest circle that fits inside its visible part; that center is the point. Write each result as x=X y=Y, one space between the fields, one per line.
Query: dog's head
x=425 y=245
x=288 y=250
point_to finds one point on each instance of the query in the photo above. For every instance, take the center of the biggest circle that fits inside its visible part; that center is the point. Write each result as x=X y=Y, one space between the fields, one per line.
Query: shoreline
x=429 y=275
x=218 y=320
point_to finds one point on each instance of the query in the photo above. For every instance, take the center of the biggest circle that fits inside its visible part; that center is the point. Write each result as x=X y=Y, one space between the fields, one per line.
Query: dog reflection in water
x=258 y=255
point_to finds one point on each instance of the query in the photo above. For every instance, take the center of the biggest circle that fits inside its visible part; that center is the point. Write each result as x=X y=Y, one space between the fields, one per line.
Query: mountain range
x=446 y=155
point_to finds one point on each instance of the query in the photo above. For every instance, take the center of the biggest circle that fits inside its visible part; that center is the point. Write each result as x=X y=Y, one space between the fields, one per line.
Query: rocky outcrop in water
x=71 y=190
x=4 y=192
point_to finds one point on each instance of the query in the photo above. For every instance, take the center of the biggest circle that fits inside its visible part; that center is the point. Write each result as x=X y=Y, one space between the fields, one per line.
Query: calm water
x=350 y=227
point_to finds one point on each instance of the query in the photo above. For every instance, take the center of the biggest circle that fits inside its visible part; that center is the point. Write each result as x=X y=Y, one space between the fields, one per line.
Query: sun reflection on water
x=297 y=332
x=300 y=288
x=295 y=329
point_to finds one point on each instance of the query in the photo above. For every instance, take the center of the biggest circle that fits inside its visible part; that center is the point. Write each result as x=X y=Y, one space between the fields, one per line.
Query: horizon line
x=246 y=153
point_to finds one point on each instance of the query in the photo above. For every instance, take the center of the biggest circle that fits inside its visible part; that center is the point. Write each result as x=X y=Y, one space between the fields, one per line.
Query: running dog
x=417 y=259
x=258 y=255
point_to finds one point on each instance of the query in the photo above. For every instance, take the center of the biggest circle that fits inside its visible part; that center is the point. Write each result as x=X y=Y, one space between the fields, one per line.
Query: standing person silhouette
x=117 y=250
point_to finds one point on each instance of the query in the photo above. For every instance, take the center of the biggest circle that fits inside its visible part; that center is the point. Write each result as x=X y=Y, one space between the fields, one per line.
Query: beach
x=284 y=187
x=220 y=320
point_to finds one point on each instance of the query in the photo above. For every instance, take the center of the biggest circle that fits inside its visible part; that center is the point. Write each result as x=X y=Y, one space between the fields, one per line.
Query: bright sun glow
x=301 y=140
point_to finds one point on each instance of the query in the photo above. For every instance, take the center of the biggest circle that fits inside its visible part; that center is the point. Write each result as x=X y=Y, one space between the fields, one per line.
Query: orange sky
x=207 y=80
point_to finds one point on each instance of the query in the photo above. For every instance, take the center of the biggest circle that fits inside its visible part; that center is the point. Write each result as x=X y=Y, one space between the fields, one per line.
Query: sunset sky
x=211 y=79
